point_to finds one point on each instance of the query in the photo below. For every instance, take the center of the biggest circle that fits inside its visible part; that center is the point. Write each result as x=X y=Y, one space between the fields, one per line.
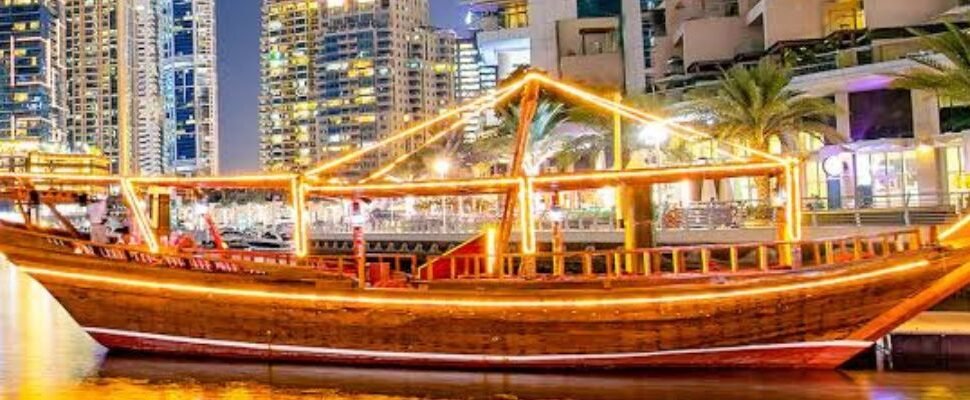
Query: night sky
x=238 y=46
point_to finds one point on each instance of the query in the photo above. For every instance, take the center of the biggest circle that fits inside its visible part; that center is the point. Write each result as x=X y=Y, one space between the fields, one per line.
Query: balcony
x=590 y=51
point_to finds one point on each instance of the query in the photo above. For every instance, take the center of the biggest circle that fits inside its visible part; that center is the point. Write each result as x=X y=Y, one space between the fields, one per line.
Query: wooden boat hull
x=812 y=319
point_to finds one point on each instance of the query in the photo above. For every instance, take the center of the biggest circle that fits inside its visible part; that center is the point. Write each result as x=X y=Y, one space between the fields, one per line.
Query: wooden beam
x=527 y=111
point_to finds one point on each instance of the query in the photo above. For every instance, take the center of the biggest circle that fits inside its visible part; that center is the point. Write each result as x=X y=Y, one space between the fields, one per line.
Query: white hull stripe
x=323 y=351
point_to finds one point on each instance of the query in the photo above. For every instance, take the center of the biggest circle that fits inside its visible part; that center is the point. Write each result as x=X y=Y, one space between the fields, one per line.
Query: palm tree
x=753 y=106
x=949 y=78
x=549 y=141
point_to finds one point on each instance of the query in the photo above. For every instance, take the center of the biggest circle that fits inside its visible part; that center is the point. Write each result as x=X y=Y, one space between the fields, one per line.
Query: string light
x=141 y=221
x=474 y=105
x=422 y=300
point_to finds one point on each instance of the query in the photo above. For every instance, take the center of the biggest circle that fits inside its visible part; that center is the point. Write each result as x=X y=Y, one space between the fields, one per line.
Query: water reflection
x=43 y=354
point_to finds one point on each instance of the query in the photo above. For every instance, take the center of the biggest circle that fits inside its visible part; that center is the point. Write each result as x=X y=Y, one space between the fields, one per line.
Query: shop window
x=881 y=114
x=598 y=8
x=954 y=116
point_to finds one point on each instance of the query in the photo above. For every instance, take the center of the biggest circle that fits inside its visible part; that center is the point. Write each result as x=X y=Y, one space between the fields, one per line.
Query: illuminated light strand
x=641 y=116
x=457 y=185
x=526 y=222
x=955 y=228
x=544 y=182
x=402 y=158
x=491 y=249
x=550 y=180
x=436 y=137
x=144 y=228
x=61 y=177
x=459 y=357
x=300 y=239
x=415 y=129
x=489 y=303
x=281 y=179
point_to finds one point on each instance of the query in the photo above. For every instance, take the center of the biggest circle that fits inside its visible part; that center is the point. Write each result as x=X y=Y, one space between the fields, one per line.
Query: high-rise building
x=32 y=98
x=99 y=77
x=380 y=68
x=340 y=74
x=187 y=72
x=473 y=80
x=288 y=102
x=142 y=83
x=594 y=42
x=147 y=101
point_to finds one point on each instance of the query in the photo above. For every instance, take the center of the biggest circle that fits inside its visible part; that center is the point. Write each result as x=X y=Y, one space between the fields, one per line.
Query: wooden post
x=676 y=257
x=647 y=263
x=763 y=257
x=856 y=249
x=527 y=111
x=734 y=259
x=558 y=242
x=816 y=254
x=705 y=260
x=829 y=253
x=637 y=223
x=618 y=157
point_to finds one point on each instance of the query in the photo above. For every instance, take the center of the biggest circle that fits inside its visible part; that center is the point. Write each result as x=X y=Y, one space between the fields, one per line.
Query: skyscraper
x=147 y=86
x=142 y=83
x=380 y=68
x=187 y=51
x=341 y=74
x=32 y=101
x=99 y=77
x=287 y=102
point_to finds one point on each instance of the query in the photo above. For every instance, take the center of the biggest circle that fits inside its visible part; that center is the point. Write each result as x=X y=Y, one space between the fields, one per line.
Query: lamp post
x=441 y=167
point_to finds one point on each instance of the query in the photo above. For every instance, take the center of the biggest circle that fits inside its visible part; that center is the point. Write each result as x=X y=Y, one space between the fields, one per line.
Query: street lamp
x=441 y=167
x=654 y=134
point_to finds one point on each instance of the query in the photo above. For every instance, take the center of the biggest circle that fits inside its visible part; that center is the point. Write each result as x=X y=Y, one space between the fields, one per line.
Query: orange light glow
x=491 y=249
x=62 y=177
x=280 y=180
x=642 y=117
x=954 y=229
x=420 y=300
x=474 y=105
x=404 y=157
x=298 y=199
x=587 y=180
x=141 y=221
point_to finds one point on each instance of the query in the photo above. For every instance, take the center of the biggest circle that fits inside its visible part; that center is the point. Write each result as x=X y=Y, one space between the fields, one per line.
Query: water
x=45 y=355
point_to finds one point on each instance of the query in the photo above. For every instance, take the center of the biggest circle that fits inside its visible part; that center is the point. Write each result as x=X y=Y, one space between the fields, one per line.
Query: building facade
x=595 y=43
x=380 y=69
x=288 y=102
x=32 y=91
x=147 y=102
x=341 y=74
x=188 y=85
x=901 y=148
x=99 y=78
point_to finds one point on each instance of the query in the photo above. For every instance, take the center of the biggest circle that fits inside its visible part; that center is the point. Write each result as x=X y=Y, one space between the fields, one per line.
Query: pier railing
x=703 y=259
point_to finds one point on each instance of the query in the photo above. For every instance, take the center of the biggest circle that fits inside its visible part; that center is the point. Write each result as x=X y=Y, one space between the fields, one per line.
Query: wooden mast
x=527 y=110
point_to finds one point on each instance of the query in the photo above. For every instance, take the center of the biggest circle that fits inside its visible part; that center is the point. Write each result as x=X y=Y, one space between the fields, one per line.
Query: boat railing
x=720 y=259
x=226 y=261
x=346 y=264
x=738 y=258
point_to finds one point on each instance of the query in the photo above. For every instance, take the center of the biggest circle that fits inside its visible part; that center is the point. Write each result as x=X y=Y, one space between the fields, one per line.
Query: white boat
x=269 y=241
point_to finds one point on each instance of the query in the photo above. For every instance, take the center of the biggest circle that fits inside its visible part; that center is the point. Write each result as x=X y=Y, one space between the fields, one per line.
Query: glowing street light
x=441 y=167
x=654 y=134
